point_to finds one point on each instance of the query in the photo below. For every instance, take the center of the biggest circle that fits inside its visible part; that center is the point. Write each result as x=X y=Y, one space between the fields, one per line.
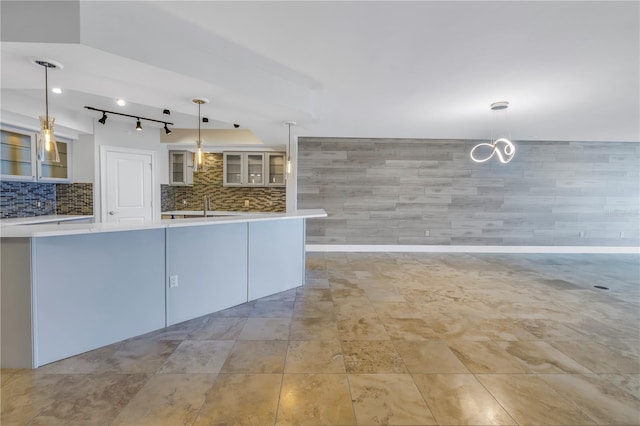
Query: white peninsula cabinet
x=69 y=289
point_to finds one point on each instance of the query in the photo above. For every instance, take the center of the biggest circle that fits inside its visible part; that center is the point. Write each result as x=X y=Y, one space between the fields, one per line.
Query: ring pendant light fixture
x=502 y=148
x=104 y=117
x=198 y=164
x=46 y=141
x=289 y=163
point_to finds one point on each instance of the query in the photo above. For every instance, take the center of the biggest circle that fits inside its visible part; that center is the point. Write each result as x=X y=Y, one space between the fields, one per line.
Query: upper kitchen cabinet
x=18 y=159
x=275 y=168
x=180 y=168
x=244 y=169
x=50 y=170
x=17 y=155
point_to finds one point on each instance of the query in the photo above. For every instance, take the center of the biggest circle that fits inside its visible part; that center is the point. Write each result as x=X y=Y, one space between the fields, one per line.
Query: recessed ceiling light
x=56 y=90
x=121 y=102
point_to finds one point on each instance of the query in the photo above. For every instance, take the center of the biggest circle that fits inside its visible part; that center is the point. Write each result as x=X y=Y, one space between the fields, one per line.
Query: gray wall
x=390 y=191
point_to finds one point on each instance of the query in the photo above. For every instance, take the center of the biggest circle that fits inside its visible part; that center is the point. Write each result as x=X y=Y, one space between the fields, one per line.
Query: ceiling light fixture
x=121 y=102
x=138 y=118
x=289 y=163
x=502 y=148
x=198 y=164
x=46 y=140
x=56 y=90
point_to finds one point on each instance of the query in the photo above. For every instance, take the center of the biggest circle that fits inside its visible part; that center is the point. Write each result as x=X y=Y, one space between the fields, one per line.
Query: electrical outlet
x=184 y=202
x=426 y=233
x=246 y=203
x=173 y=281
x=38 y=204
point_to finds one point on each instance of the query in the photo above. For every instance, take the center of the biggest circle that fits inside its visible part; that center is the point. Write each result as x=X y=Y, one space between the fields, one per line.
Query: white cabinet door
x=275 y=168
x=128 y=186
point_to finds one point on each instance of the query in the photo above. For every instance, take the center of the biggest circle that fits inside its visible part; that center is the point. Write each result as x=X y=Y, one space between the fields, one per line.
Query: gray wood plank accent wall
x=395 y=191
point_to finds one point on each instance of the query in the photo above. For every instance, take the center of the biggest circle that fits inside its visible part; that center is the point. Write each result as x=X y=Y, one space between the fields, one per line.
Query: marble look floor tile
x=597 y=397
x=272 y=309
x=314 y=356
x=198 y=356
x=541 y=357
x=627 y=382
x=25 y=395
x=178 y=331
x=548 y=329
x=283 y=296
x=362 y=328
x=140 y=356
x=396 y=309
x=265 y=329
x=219 y=329
x=388 y=399
x=85 y=400
x=313 y=309
x=377 y=356
x=256 y=356
x=487 y=357
x=239 y=311
x=88 y=362
x=599 y=358
x=531 y=401
x=432 y=356
x=305 y=328
x=459 y=399
x=315 y=399
x=241 y=400
x=314 y=294
x=167 y=399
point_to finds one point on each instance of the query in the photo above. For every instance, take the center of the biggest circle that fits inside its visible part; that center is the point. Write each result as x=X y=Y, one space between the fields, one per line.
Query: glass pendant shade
x=47 y=145
x=198 y=161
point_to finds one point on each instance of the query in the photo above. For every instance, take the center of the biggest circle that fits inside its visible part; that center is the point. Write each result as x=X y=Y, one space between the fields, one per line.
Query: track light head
x=138 y=125
x=166 y=129
x=103 y=119
x=236 y=125
x=205 y=119
x=166 y=112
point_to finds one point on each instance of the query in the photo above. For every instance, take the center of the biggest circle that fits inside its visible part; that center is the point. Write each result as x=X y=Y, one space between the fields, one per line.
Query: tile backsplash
x=27 y=199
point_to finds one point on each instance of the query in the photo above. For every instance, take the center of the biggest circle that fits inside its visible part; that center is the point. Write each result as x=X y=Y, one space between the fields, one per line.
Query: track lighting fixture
x=103 y=120
x=236 y=125
x=205 y=119
x=166 y=112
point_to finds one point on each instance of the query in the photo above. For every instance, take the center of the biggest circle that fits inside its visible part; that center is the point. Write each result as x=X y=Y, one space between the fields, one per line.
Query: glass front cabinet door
x=50 y=170
x=17 y=155
x=180 y=168
x=233 y=166
x=255 y=169
x=275 y=168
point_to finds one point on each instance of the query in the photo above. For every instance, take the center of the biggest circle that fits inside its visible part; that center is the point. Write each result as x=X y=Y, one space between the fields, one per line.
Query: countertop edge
x=53 y=230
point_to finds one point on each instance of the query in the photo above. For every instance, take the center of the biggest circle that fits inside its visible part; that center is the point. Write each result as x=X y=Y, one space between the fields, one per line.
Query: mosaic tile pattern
x=261 y=199
x=429 y=192
x=513 y=339
x=27 y=199
x=74 y=198
x=168 y=197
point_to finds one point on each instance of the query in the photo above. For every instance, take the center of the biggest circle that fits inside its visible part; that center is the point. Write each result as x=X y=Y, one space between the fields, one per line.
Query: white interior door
x=127 y=186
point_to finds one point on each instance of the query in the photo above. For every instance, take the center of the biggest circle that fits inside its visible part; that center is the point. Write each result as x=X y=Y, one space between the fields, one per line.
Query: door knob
x=111 y=213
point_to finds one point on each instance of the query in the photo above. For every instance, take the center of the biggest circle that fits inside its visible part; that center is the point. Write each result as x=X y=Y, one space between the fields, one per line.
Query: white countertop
x=214 y=213
x=53 y=230
x=34 y=220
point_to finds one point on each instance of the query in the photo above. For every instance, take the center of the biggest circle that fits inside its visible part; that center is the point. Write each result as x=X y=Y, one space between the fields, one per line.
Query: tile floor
x=405 y=339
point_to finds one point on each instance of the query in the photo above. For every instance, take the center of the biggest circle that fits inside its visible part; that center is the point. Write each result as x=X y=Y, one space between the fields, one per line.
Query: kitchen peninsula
x=68 y=289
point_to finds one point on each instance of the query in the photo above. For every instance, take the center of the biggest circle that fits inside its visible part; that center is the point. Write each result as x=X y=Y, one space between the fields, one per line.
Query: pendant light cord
x=46 y=92
x=199 y=140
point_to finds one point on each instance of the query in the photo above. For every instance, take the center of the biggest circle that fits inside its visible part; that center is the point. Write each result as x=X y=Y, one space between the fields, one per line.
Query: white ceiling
x=570 y=70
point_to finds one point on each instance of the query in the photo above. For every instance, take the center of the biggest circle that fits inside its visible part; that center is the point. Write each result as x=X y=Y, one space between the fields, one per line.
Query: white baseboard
x=468 y=249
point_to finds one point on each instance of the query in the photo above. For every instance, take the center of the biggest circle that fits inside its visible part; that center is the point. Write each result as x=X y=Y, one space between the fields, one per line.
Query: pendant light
x=46 y=141
x=198 y=162
x=289 y=163
x=502 y=148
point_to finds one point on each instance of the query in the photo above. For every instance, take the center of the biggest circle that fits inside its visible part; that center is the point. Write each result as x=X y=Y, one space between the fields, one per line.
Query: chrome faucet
x=207 y=205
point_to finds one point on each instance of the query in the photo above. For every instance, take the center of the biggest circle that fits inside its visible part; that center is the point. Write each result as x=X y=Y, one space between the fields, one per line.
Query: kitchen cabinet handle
x=111 y=213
